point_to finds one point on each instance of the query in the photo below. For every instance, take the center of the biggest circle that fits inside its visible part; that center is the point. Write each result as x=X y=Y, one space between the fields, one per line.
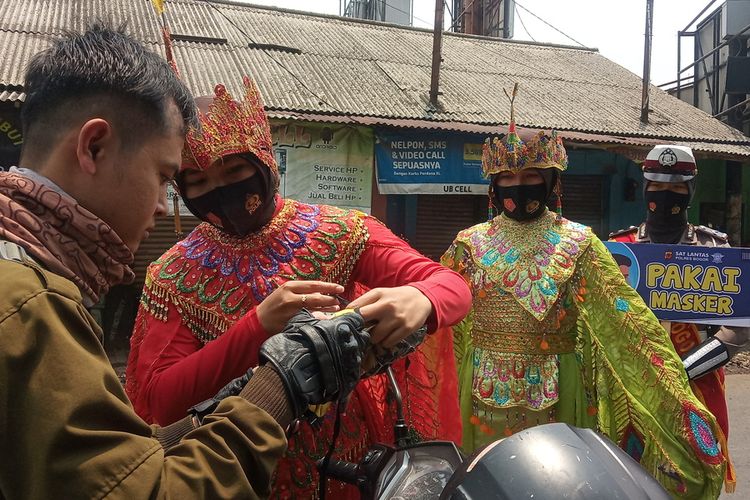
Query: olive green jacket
x=67 y=429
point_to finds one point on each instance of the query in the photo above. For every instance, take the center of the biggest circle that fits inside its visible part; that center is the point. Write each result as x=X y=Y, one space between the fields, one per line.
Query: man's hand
x=287 y=300
x=319 y=361
x=735 y=338
x=397 y=312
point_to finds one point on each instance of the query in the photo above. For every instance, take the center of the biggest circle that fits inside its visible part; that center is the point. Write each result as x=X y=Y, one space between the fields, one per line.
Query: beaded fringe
x=205 y=324
x=516 y=419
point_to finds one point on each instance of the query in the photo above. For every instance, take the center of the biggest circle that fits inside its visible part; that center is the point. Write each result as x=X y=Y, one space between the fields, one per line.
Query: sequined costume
x=197 y=328
x=206 y=284
x=557 y=335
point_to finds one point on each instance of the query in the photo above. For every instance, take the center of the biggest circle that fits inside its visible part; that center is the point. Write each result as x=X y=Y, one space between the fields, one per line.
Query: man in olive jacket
x=104 y=122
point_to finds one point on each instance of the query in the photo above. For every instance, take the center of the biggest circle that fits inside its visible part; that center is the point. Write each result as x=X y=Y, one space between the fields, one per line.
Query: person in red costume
x=203 y=315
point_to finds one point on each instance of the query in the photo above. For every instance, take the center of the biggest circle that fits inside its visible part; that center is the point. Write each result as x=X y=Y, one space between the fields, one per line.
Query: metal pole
x=729 y=110
x=717 y=48
x=733 y=179
x=700 y=14
x=647 y=60
x=706 y=76
x=506 y=15
x=437 y=42
x=679 y=59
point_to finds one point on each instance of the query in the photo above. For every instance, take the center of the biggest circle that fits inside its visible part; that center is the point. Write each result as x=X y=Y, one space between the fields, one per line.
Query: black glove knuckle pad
x=325 y=360
x=318 y=360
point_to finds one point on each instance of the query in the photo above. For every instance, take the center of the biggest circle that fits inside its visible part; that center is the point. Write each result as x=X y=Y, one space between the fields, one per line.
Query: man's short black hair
x=102 y=72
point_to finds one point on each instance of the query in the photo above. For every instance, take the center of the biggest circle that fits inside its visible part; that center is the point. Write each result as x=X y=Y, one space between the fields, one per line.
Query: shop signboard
x=429 y=163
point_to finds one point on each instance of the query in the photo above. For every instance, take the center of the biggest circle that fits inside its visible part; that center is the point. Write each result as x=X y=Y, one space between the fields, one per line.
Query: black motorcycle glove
x=233 y=388
x=319 y=361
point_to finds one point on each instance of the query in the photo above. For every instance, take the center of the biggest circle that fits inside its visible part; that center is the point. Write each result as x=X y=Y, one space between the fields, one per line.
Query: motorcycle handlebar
x=341 y=470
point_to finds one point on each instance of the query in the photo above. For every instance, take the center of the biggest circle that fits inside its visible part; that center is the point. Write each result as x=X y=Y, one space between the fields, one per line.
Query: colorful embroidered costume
x=197 y=328
x=556 y=334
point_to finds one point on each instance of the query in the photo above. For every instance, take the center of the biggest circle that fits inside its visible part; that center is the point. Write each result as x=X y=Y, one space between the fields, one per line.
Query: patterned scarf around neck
x=63 y=236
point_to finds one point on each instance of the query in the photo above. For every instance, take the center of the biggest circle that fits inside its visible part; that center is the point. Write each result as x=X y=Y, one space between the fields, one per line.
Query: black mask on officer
x=667 y=214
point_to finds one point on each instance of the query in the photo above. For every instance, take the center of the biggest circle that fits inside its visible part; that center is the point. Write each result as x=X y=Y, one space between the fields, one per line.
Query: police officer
x=669 y=173
x=669 y=185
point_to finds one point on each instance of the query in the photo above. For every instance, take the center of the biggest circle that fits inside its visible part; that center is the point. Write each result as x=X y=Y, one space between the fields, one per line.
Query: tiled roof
x=328 y=65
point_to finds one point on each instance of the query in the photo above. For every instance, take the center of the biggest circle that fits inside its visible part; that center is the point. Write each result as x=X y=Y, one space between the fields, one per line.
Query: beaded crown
x=511 y=154
x=231 y=127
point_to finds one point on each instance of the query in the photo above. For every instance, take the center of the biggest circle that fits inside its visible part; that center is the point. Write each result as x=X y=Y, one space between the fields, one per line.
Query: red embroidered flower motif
x=509 y=204
x=657 y=361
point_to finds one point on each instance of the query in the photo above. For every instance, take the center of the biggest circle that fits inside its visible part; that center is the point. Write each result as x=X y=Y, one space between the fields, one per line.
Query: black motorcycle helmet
x=552 y=461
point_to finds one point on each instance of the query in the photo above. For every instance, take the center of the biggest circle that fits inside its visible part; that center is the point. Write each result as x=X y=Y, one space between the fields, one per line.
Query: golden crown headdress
x=511 y=154
x=231 y=127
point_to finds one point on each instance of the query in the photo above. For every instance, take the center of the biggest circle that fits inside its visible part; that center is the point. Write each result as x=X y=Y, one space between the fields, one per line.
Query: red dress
x=197 y=328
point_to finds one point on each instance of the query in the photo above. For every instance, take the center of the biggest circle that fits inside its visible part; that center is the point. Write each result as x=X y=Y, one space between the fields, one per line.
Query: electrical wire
x=302 y=83
x=548 y=24
x=524 y=26
x=411 y=14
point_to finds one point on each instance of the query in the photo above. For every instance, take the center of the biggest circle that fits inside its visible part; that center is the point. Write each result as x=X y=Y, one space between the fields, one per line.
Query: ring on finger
x=304 y=299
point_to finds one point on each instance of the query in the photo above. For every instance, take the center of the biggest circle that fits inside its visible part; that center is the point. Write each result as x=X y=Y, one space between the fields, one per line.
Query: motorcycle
x=548 y=461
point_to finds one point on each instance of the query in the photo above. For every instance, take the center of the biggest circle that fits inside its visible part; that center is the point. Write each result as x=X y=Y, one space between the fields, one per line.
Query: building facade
x=354 y=126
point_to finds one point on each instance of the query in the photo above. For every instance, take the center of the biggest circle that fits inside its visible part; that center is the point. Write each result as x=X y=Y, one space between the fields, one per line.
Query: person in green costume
x=557 y=335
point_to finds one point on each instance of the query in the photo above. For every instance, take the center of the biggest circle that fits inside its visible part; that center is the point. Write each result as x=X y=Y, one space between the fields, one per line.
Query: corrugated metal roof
x=641 y=145
x=336 y=66
x=16 y=50
x=11 y=95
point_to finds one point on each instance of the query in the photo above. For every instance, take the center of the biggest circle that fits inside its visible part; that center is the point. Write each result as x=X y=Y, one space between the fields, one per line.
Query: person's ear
x=96 y=144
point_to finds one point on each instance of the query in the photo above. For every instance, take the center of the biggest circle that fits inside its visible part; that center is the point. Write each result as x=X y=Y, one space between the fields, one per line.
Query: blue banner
x=691 y=284
x=429 y=163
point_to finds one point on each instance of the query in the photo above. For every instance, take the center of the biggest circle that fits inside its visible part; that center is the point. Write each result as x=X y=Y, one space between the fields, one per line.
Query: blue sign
x=690 y=284
x=429 y=163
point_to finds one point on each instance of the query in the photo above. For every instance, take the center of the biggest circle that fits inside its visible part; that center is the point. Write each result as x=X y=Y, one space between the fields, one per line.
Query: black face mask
x=522 y=202
x=667 y=215
x=239 y=208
